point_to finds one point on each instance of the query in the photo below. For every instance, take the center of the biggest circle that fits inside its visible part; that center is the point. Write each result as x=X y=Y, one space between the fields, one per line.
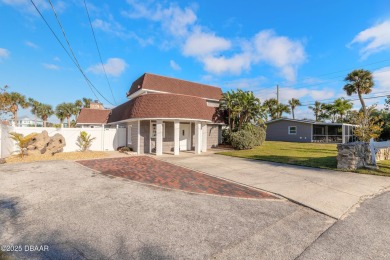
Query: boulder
x=2 y=161
x=38 y=143
x=56 y=144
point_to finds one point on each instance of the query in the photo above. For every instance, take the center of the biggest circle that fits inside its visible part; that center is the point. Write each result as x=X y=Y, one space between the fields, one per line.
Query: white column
x=204 y=137
x=159 y=137
x=139 y=137
x=198 y=137
x=176 y=138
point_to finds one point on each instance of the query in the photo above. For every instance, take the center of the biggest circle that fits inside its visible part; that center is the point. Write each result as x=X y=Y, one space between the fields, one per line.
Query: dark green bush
x=248 y=138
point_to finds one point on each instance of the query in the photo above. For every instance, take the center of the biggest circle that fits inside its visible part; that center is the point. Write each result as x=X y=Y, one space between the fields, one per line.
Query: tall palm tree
x=15 y=100
x=359 y=82
x=316 y=109
x=34 y=108
x=66 y=110
x=293 y=104
x=44 y=111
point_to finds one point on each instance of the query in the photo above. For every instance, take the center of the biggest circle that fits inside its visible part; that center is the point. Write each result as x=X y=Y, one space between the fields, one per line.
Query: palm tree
x=87 y=102
x=78 y=104
x=66 y=110
x=227 y=103
x=44 y=111
x=316 y=109
x=342 y=106
x=271 y=105
x=249 y=107
x=282 y=108
x=15 y=100
x=293 y=104
x=359 y=82
x=34 y=108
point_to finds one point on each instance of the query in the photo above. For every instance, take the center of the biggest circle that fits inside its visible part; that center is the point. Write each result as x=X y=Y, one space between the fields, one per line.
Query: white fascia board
x=145 y=90
x=165 y=119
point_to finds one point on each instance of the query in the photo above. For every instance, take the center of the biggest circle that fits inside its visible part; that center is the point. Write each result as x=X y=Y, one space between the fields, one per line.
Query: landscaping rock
x=2 y=161
x=353 y=156
x=38 y=143
x=43 y=144
x=56 y=144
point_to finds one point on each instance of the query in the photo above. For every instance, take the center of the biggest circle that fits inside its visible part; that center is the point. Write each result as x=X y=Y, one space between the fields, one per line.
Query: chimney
x=96 y=105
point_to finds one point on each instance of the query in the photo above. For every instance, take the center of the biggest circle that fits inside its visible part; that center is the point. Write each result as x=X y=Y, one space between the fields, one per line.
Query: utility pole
x=277 y=93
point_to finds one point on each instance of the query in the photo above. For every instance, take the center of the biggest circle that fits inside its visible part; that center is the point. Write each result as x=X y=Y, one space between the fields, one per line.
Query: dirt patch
x=58 y=156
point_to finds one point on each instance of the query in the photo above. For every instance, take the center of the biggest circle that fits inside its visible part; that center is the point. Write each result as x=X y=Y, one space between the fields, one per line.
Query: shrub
x=84 y=141
x=242 y=140
x=226 y=136
x=22 y=141
x=248 y=137
x=124 y=149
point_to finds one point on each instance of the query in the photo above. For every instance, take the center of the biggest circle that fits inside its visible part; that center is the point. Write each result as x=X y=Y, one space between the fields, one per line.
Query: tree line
x=11 y=102
x=239 y=108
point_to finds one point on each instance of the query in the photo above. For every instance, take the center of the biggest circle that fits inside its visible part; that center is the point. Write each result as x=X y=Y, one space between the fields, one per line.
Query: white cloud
x=203 y=44
x=232 y=65
x=246 y=83
x=4 y=53
x=174 y=65
x=373 y=39
x=220 y=55
x=174 y=19
x=114 y=28
x=51 y=66
x=279 y=51
x=114 y=67
x=382 y=79
x=31 y=44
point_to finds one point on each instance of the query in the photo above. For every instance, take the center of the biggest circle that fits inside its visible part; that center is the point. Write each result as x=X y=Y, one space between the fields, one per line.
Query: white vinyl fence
x=107 y=139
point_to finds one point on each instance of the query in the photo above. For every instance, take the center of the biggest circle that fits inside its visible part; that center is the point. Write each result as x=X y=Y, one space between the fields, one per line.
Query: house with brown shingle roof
x=165 y=115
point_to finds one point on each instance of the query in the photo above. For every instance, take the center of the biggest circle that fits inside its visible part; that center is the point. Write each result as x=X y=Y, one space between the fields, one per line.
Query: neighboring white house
x=27 y=122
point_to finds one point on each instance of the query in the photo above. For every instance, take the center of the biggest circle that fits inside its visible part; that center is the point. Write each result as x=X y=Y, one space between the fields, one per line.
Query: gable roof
x=158 y=83
x=93 y=116
x=158 y=105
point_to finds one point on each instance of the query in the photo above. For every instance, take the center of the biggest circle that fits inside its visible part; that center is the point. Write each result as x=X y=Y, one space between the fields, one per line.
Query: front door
x=184 y=137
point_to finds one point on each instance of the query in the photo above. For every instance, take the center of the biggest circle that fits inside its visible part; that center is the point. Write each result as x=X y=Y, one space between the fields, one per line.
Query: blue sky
x=307 y=47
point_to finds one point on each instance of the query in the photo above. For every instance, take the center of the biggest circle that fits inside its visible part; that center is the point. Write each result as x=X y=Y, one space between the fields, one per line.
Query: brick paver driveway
x=151 y=171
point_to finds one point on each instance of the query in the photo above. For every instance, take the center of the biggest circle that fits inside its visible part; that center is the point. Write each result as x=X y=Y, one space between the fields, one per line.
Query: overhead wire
x=73 y=59
x=98 y=49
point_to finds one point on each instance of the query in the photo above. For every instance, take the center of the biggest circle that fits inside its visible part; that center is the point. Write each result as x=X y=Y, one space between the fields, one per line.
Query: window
x=129 y=134
x=292 y=130
x=153 y=130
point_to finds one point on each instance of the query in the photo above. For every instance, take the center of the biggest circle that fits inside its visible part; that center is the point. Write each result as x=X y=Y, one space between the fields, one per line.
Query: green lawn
x=305 y=154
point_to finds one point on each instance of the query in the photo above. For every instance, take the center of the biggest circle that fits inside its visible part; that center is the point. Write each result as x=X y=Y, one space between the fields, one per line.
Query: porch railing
x=327 y=138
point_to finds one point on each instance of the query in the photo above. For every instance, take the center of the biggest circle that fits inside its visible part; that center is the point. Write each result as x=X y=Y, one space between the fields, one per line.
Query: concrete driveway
x=331 y=192
x=78 y=214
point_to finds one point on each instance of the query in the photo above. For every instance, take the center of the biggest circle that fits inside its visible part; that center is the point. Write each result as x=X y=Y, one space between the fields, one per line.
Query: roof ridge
x=153 y=74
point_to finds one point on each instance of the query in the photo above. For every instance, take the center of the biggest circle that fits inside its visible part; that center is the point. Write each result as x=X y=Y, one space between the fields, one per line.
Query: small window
x=292 y=130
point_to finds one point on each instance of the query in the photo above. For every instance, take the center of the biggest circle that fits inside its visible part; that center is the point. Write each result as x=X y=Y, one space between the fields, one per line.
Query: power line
x=372 y=97
x=74 y=59
x=97 y=47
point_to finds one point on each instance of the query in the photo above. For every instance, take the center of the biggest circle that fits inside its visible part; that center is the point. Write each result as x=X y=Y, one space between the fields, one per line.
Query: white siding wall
x=107 y=139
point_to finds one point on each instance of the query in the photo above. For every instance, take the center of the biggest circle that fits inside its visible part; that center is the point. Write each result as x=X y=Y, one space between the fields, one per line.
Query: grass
x=304 y=154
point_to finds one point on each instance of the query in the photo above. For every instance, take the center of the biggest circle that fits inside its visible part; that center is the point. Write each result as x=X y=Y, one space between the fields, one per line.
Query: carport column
x=176 y=138
x=204 y=137
x=159 y=137
x=198 y=137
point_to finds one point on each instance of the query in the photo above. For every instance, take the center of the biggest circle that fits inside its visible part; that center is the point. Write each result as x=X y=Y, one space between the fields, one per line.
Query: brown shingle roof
x=175 y=86
x=93 y=116
x=164 y=106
